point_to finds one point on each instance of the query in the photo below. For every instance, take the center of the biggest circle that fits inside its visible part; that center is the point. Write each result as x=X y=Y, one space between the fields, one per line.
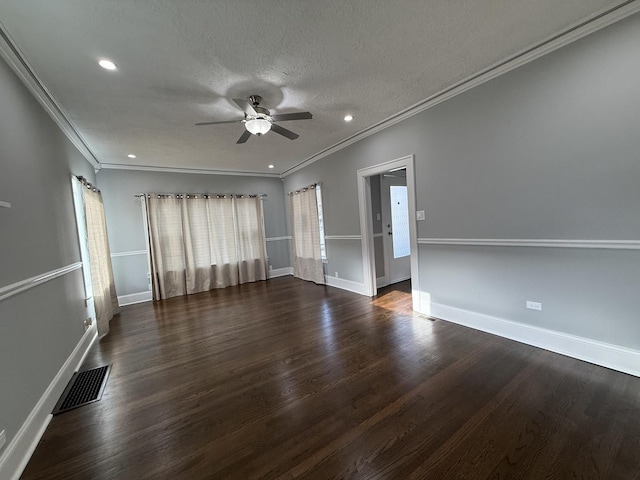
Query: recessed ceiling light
x=107 y=64
x=348 y=118
x=131 y=155
x=271 y=166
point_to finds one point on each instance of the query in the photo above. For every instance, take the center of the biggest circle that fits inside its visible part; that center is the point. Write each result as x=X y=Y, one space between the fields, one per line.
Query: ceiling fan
x=258 y=121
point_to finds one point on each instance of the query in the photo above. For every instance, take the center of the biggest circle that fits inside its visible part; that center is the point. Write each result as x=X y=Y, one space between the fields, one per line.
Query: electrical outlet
x=3 y=439
x=378 y=216
x=534 y=305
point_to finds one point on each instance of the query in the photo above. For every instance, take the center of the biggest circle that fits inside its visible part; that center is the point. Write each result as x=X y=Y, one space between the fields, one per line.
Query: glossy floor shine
x=286 y=379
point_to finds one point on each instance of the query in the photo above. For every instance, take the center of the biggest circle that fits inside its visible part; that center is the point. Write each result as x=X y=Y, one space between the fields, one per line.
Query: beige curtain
x=200 y=243
x=307 y=257
x=104 y=290
x=251 y=246
x=164 y=216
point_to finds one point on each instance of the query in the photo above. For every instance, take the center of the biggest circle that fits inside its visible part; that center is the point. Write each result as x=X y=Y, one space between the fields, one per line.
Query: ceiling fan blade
x=292 y=116
x=217 y=123
x=245 y=106
x=284 y=132
x=244 y=137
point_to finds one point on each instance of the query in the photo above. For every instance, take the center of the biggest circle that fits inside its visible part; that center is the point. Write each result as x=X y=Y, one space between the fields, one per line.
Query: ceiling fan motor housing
x=261 y=111
x=255 y=100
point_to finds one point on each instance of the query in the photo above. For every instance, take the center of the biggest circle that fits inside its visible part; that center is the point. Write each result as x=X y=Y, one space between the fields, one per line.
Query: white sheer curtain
x=102 y=282
x=199 y=242
x=307 y=256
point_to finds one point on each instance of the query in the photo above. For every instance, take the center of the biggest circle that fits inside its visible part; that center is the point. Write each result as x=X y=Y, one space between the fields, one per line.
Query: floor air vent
x=84 y=387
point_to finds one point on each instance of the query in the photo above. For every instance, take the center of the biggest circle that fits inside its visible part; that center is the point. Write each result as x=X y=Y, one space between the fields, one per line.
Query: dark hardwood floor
x=285 y=379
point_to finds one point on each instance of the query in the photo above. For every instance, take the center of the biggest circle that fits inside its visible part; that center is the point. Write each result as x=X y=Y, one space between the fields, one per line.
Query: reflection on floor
x=395 y=297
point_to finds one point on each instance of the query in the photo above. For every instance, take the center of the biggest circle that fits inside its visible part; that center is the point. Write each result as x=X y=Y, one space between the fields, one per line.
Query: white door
x=395 y=226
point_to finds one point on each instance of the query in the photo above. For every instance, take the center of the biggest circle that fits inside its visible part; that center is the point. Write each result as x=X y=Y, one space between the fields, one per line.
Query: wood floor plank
x=285 y=379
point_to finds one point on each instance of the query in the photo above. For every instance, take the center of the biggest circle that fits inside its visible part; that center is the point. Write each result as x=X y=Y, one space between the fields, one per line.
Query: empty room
x=319 y=240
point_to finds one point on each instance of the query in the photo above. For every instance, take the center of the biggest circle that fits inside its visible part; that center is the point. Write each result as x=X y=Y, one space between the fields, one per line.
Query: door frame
x=366 y=223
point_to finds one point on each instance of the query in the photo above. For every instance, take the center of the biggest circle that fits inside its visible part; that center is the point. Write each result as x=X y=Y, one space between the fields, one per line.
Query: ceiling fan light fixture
x=258 y=126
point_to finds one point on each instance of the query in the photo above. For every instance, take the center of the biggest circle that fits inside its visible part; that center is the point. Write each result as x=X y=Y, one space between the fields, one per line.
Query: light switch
x=420 y=215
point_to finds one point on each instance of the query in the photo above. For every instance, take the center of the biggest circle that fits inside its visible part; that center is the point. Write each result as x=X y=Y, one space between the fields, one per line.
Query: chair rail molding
x=276 y=239
x=128 y=254
x=22 y=285
x=343 y=237
x=534 y=242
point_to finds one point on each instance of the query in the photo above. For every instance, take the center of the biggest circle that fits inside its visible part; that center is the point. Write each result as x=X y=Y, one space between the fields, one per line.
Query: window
x=308 y=247
x=201 y=242
x=400 y=221
x=323 y=247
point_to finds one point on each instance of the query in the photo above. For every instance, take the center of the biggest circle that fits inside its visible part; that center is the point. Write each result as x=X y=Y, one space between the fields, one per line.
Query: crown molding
x=18 y=63
x=200 y=171
x=554 y=42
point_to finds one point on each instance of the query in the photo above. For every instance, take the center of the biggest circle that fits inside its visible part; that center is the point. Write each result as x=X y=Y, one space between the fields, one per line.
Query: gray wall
x=547 y=151
x=40 y=327
x=125 y=224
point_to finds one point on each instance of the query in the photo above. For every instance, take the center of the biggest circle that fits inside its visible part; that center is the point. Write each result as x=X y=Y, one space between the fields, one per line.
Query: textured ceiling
x=181 y=62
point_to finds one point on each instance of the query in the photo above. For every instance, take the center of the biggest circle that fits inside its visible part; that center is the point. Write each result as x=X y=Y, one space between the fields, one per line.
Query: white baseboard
x=349 y=285
x=280 y=272
x=17 y=454
x=135 y=298
x=402 y=279
x=604 y=354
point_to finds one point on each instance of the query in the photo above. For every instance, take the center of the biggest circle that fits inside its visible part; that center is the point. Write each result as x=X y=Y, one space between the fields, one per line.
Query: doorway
x=405 y=201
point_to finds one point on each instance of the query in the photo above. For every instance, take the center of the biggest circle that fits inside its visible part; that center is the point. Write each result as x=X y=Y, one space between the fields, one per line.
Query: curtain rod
x=203 y=195
x=304 y=189
x=86 y=183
